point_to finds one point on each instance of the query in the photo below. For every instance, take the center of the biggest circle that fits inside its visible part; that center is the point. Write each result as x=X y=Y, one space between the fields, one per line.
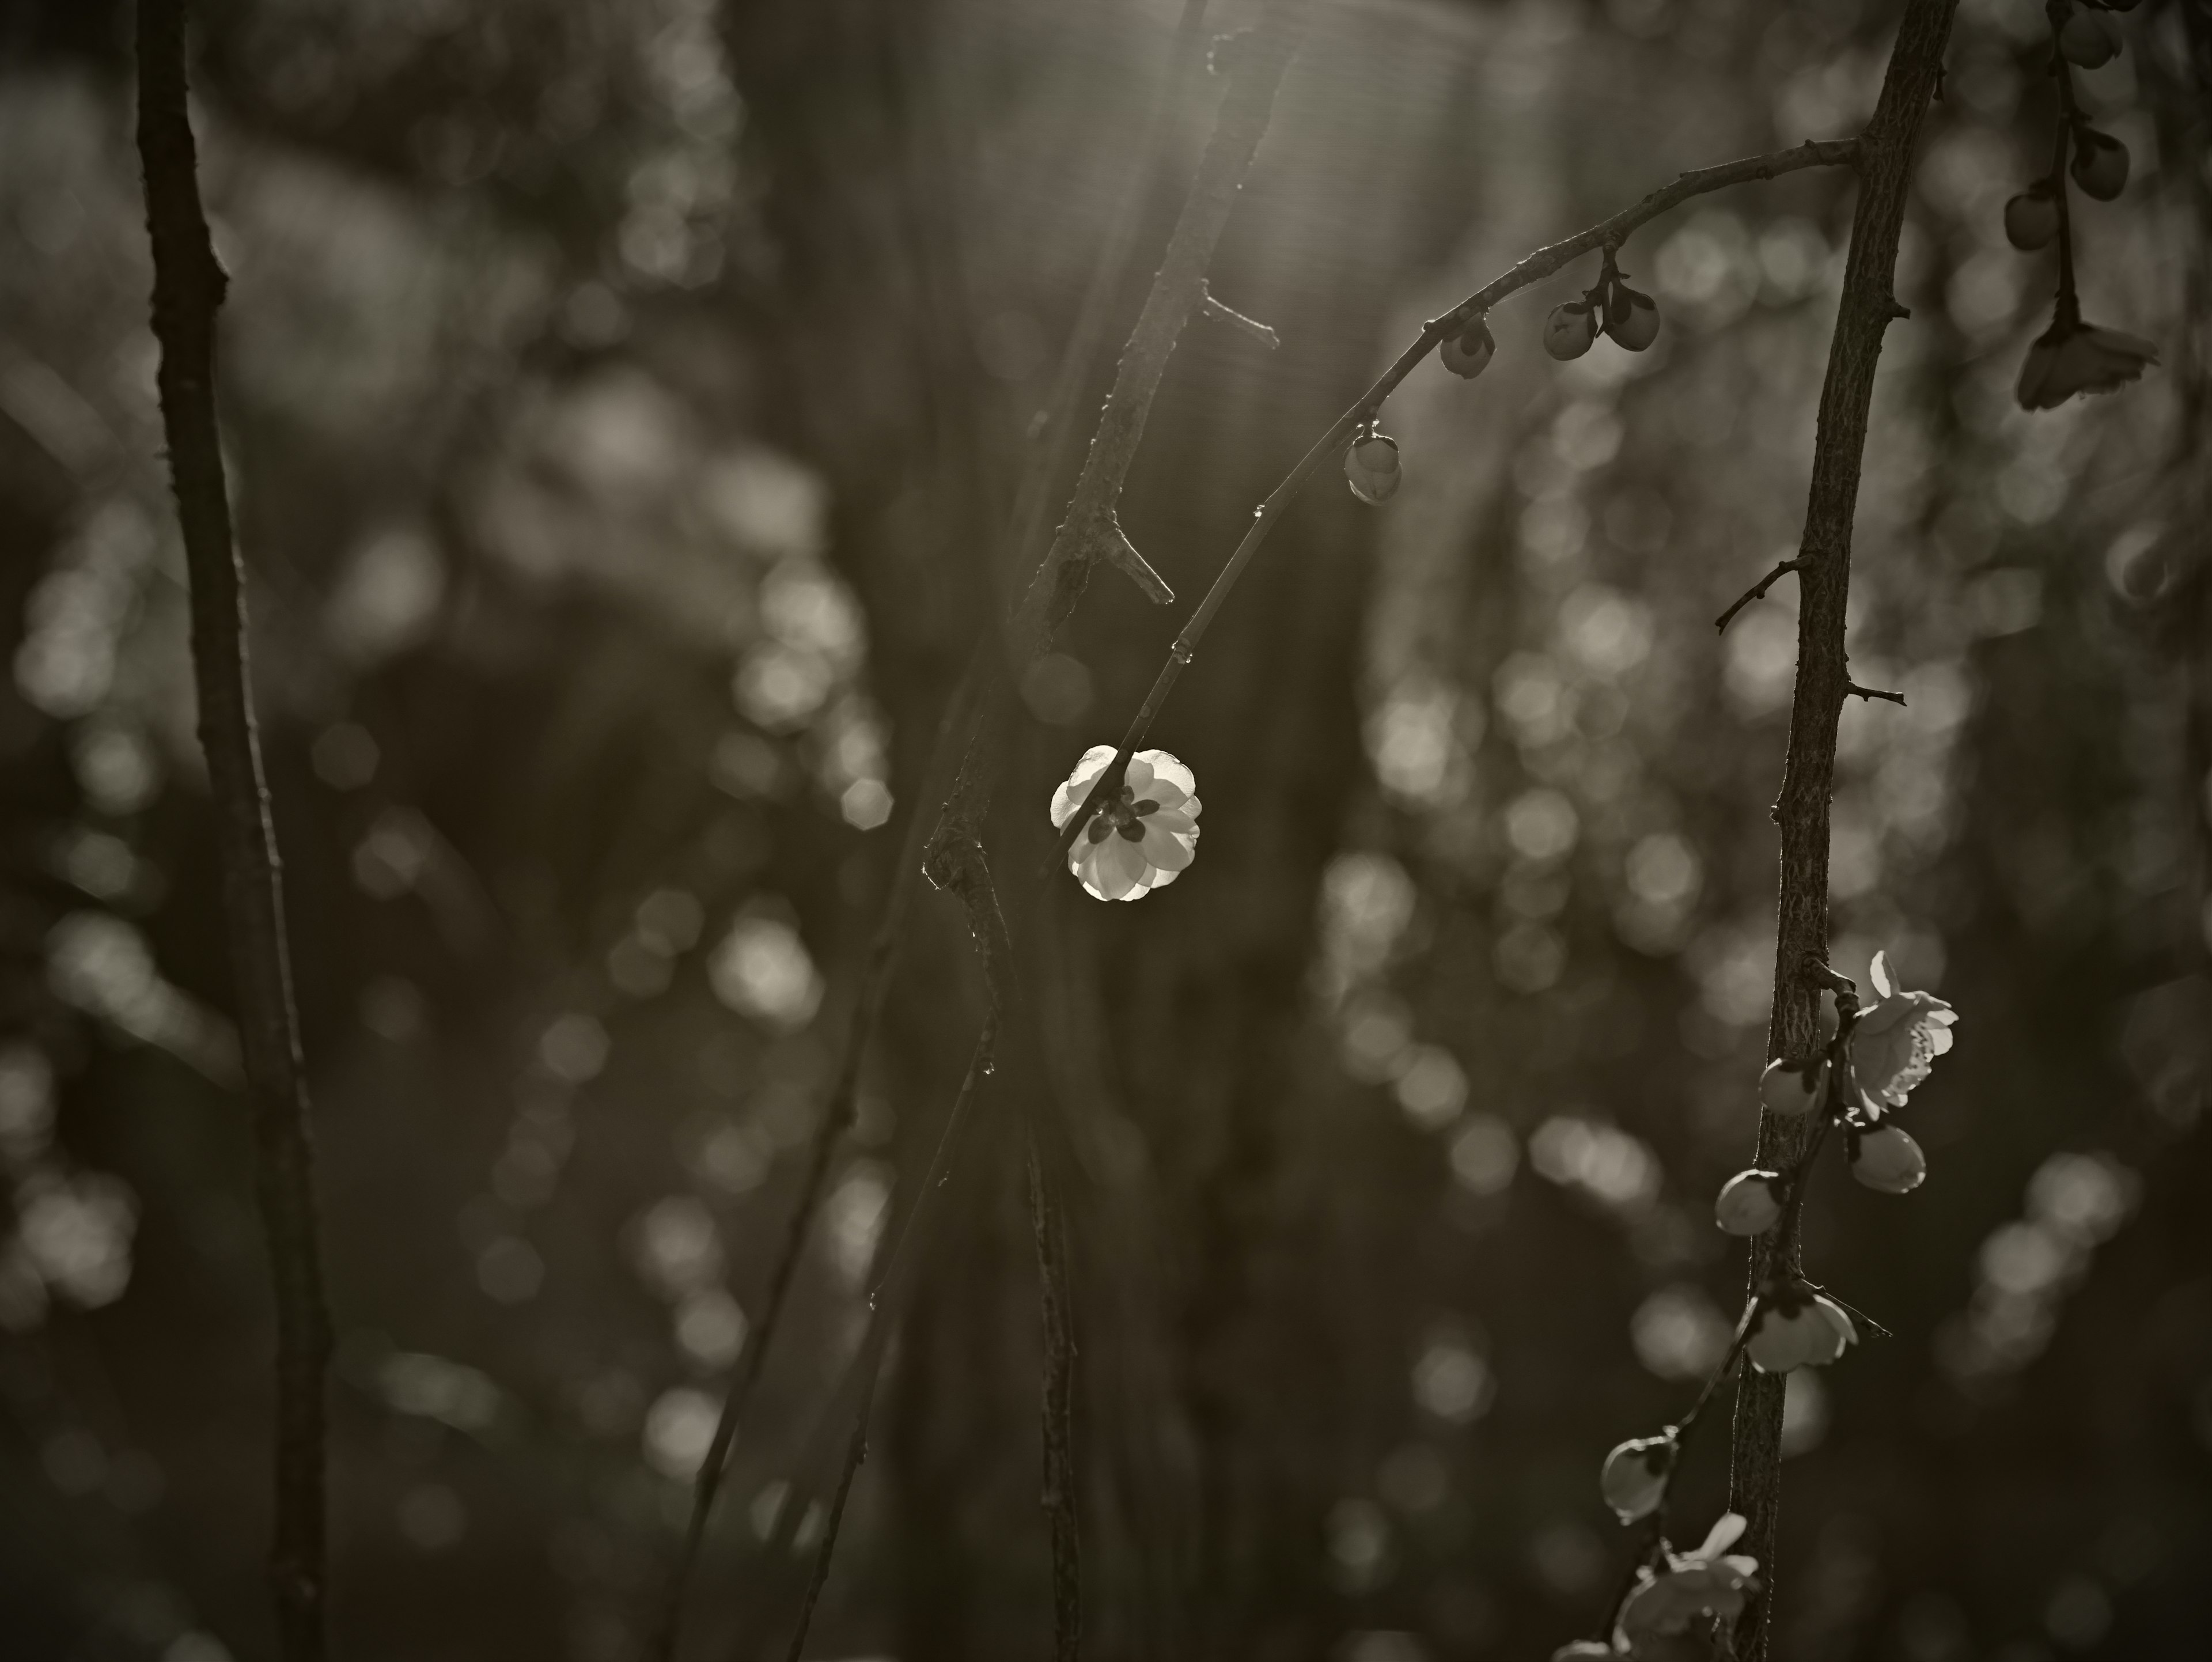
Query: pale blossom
x=1582 y=1650
x=1884 y=1157
x=1898 y=1038
x=1634 y=1478
x=1790 y=1088
x=1750 y=1203
x=1796 y=1327
x=1141 y=836
x=1709 y=1580
x=2073 y=356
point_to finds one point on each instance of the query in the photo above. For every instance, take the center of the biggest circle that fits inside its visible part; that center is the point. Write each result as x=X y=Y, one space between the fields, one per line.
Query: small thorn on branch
x=1209 y=306
x=1896 y=308
x=1758 y=591
x=1853 y=689
x=1124 y=553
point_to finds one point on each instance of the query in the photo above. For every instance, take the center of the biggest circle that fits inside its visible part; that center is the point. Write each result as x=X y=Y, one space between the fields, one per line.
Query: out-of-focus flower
x=1580 y=1649
x=1632 y=317
x=1570 y=330
x=1899 y=1038
x=2088 y=41
x=2030 y=219
x=1467 y=354
x=1796 y=1327
x=1142 y=836
x=1634 y=1478
x=1707 y=1581
x=1750 y=1203
x=1371 y=466
x=1884 y=1157
x=2099 y=166
x=2072 y=356
x=1790 y=1088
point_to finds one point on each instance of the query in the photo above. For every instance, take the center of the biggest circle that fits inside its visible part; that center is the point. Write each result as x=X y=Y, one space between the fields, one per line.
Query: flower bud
x=2088 y=41
x=1798 y=1328
x=1634 y=1479
x=1787 y=1088
x=2030 y=219
x=1884 y=1157
x=1570 y=330
x=2099 y=165
x=1750 y=1203
x=1371 y=466
x=1632 y=317
x=1467 y=354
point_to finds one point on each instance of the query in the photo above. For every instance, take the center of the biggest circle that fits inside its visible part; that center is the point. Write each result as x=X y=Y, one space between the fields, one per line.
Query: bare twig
x=1215 y=309
x=1868 y=305
x=1059 y=1498
x=1532 y=268
x=188 y=288
x=1756 y=591
x=1853 y=689
x=961 y=867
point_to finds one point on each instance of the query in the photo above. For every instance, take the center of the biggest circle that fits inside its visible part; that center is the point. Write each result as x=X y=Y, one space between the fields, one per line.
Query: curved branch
x=188 y=288
x=1533 y=268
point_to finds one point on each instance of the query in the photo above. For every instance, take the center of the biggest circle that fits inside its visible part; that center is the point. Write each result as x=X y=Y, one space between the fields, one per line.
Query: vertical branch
x=1092 y=529
x=188 y=287
x=1059 y=1384
x=1885 y=168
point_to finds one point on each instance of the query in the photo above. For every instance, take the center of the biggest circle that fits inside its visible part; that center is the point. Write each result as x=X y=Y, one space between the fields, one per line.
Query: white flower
x=1750 y=1203
x=1582 y=1650
x=1142 y=836
x=1796 y=1327
x=2073 y=356
x=1709 y=1581
x=1884 y=1157
x=1787 y=1087
x=1899 y=1038
x=1634 y=1478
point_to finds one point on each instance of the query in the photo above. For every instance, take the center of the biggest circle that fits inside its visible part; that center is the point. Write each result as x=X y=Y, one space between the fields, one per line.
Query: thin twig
x=1221 y=313
x=962 y=868
x=1756 y=591
x=1532 y=268
x=1867 y=308
x=1853 y=689
x=188 y=288
x=1060 y=1499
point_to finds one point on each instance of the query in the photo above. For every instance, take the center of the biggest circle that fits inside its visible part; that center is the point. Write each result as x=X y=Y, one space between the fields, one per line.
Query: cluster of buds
x=1881 y=1049
x=2073 y=356
x=1370 y=465
x=1629 y=317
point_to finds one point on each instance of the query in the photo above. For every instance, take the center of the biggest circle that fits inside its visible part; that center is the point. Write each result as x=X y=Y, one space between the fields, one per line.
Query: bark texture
x=188 y=290
x=1886 y=150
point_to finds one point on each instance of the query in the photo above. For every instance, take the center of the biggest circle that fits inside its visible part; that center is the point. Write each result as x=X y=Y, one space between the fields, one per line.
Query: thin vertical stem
x=1868 y=307
x=188 y=290
x=1059 y=1497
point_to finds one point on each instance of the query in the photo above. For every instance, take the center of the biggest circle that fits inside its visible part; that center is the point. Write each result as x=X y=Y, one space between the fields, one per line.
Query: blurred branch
x=1076 y=363
x=1884 y=168
x=1059 y=1482
x=188 y=290
x=1533 y=268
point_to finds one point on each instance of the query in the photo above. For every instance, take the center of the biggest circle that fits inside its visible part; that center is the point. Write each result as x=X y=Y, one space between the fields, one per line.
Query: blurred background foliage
x=625 y=403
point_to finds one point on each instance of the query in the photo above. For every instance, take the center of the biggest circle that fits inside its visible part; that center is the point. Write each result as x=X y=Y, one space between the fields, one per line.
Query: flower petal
x=1166 y=850
x=1166 y=767
x=1172 y=821
x=1727 y=1529
x=1069 y=797
x=1121 y=868
x=1166 y=793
